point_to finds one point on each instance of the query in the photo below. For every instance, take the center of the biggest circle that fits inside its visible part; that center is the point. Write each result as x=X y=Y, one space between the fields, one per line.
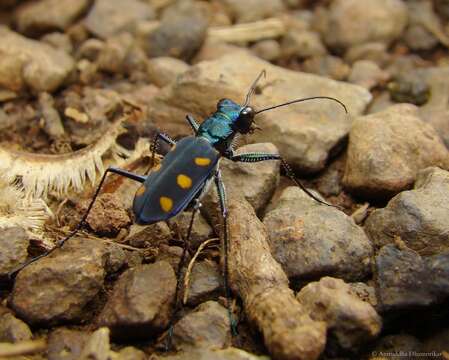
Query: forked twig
x=190 y=267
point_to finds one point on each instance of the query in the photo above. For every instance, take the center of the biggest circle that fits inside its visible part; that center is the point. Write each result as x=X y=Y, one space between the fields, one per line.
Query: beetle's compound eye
x=245 y=120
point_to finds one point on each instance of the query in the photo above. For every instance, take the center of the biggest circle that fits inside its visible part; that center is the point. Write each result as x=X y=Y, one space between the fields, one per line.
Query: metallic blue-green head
x=241 y=117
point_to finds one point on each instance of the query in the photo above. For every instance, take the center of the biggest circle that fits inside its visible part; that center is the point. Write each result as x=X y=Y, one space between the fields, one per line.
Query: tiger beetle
x=183 y=176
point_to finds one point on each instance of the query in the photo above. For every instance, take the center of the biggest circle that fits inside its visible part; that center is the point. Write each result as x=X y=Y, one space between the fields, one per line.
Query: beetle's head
x=244 y=123
x=242 y=117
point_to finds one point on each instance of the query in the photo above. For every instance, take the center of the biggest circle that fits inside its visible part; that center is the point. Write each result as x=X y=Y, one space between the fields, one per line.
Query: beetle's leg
x=155 y=143
x=224 y=212
x=193 y=124
x=257 y=157
x=78 y=227
x=185 y=251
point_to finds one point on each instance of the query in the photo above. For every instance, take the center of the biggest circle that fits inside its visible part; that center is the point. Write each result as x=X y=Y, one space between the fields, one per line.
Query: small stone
x=418 y=217
x=109 y=17
x=396 y=345
x=107 y=216
x=302 y=44
x=365 y=293
x=141 y=301
x=374 y=51
x=435 y=111
x=442 y=8
x=354 y=22
x=170 y=254
x=134 y=258
x=97 y=345
x=367 y=74
x=179 y=35
x=207 y=326
x=387 y=149
x=59 y=41
x=13 y=330
x=418 y=38
x=253 y=10
x=328 y=66
x=205 y=282
x=268 y=50
x=113 y=54
x=256 y=181
x=437 y=342
x=329 y=182
x=425 y=24
x=58 y=287
x=405 y=280
x=130 y=353
x=14 y=243
x=403 y=64
x=66 y=344
x=437 y=117
x=201 y=230
x=90 y=49
x=115 y=258
x=29 y=63
x=164 y=70
x=350 y=321
x=43 y=16
x=149 y=235
x=53 y=123
x=310 y=240
x=409 y=87
x=205 y=353
x=213 y=50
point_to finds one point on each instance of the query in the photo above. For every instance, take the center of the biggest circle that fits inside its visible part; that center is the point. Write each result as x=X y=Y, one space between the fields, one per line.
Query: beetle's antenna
x=253 y=87
x=304 y=99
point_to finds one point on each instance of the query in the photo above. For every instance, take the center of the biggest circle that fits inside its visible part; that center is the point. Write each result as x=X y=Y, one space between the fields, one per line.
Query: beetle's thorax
x=219 y=128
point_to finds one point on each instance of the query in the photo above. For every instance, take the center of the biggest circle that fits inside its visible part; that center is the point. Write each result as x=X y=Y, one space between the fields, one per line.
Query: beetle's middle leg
x=257 y=157
x=78 y=227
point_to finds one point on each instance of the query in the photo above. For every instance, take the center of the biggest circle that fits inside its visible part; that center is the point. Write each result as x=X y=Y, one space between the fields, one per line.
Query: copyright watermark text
x=405 y=354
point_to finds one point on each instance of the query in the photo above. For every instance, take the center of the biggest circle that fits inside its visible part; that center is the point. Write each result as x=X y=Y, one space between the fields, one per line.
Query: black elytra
x=172 y=186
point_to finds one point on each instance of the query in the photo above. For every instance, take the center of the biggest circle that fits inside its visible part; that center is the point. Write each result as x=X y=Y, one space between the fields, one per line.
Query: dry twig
x=22 y=348
x=270 y=305
x=190 y=267
x=254 y=31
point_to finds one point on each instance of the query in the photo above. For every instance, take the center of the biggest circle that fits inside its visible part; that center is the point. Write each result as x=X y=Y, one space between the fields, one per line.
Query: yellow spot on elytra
x=156 y=168
x=166 y=203
x=184 y=181
x=140 y=190
x=200 y=161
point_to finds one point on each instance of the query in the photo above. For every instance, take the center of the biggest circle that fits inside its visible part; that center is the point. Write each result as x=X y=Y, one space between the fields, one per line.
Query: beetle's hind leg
x=179 y=273
x=78 y=227
x=224 y=213
x=155 y=144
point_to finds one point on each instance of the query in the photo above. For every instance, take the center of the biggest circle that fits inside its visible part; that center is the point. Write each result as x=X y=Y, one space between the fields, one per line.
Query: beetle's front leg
x=193 y=124
x=78 y=227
